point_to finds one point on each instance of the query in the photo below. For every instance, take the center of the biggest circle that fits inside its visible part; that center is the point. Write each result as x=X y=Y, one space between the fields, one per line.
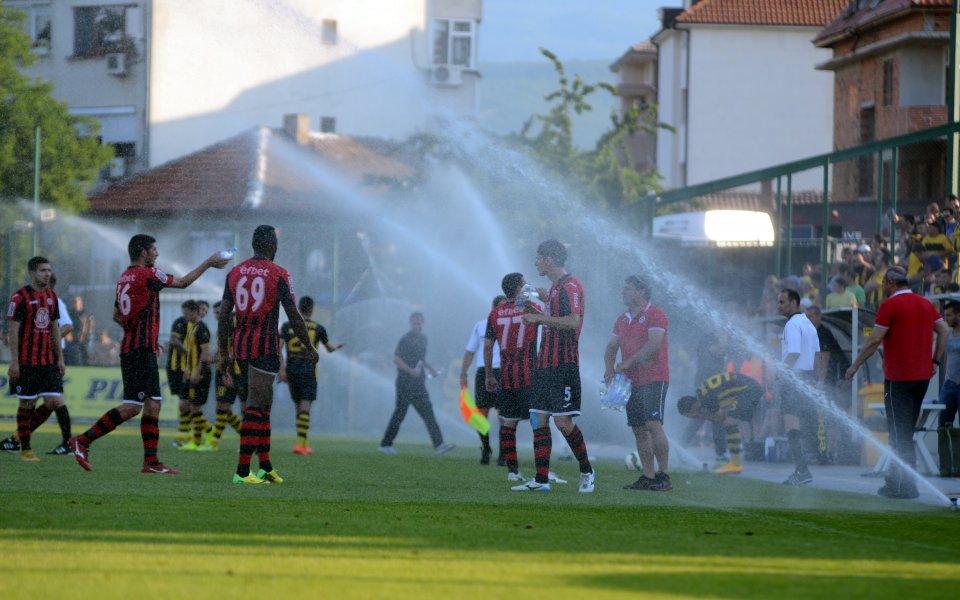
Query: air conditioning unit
x=117 y=168
x=117 y=64
x=446 y=75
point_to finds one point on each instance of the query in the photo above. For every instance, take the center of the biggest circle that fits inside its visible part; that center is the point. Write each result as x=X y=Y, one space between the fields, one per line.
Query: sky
x=512 y=30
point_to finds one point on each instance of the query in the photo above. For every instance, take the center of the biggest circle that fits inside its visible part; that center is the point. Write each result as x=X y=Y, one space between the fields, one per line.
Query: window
x=40 y=28
x=453 y=43
x=99 y=30
x=328 y=124
x=887 y=82
x=328 y=32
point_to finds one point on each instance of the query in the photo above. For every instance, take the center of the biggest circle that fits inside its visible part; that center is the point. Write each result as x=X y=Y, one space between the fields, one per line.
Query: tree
x=70 y=154
x=604 y=175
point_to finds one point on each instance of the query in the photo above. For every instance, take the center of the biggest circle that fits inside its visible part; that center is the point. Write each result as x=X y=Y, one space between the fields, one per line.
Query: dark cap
x=896 y=275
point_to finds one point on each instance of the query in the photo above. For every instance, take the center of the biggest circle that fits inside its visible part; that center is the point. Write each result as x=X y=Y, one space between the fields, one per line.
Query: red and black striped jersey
x=257 y=288
x=561 y=346
x=138 y=300
x=518 y=345
x=36 y=311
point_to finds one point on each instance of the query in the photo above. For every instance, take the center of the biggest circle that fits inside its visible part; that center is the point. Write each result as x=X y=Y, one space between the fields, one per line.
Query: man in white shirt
x=799 y=345
x=485 y=400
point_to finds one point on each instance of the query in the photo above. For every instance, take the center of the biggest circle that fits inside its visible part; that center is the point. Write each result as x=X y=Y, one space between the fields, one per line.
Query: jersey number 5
x=257 y=287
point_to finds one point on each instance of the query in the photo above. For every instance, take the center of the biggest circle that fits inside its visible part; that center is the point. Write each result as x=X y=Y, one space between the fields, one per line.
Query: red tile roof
x=811 y=13
x=251 y=170
x=848 y=21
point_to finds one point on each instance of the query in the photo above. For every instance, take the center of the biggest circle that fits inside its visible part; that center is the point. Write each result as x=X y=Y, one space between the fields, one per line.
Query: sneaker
x=61 y=450
x=552 y=478
x=388 y=450
x=271 y=477
x=729 y=469
x=643 y=483
x=301 y=450
x=661 y=482
x=485 y=456
x=80 y=453
x=212 y=444
x=532 y=486
x=899 y=492
x=518 y=476
x=444 y=448
x=160 y=469
x=501 y=461
x=799 y=477
x=28 y=456
x=10 y=445
x=251 y=478
x=586 y=482
x=191 y=445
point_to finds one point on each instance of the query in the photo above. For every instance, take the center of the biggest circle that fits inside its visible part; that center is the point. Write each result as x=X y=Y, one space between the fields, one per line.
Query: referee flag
x=471 y=415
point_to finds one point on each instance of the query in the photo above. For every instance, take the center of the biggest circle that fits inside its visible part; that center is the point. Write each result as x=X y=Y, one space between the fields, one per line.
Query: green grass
x=351 y=523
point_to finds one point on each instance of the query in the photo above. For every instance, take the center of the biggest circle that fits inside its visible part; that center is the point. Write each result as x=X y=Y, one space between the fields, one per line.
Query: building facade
x=890 y=64
x=636 y=72
x=737 y=81
x=167 y=77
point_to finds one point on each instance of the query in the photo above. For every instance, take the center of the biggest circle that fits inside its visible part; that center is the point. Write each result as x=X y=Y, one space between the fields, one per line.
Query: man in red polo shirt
x=640 y=335
x=905 y=324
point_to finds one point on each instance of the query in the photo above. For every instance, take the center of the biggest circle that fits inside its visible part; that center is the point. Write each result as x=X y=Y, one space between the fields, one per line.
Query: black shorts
x=483 y=398
x=557 y=391
x=746 y=405
x=302 y=381
x=141 y=376
x=175 y=381
x=646 y=404
x=199 y=392
x=225 y=394
x=793 y=399
x=37 y=381
x=514 y=405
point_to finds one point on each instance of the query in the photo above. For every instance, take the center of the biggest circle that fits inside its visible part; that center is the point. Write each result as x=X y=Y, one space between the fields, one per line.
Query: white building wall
x=670 y=81
x=755 y=100
x=222 y=66
x=83 y=83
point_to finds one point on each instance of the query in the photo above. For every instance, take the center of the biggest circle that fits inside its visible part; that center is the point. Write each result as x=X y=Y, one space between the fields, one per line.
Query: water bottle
x=228 y=253
x=615 y=393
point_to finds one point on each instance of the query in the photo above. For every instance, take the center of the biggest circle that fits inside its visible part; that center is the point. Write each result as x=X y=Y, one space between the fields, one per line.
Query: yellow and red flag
x=472 y=415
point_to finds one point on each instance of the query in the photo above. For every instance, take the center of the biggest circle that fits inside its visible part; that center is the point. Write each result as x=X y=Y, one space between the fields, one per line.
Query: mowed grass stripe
x=354 y=524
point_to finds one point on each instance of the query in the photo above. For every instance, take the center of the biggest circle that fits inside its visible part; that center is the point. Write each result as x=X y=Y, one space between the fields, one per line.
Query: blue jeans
x=949 y=395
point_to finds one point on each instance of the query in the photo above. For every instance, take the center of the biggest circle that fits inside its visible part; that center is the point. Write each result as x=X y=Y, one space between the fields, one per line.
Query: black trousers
x=420 y=401
x=902 y=400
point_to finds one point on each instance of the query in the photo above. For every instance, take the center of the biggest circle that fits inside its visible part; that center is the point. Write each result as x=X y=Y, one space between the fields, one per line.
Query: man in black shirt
x=412 y=366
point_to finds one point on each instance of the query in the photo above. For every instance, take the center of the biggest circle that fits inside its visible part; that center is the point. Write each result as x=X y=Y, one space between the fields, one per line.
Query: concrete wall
x=756 y=100
x=222 y=66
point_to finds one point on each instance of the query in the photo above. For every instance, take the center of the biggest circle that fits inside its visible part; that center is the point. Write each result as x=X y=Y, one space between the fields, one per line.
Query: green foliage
x=69 y=161
x=604 y=175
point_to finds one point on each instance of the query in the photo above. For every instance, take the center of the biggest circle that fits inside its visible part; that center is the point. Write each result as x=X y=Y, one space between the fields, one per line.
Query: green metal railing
x=879 y=148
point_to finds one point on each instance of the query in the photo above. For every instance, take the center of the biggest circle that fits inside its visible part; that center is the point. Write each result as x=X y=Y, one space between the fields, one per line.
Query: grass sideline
x=351 y=523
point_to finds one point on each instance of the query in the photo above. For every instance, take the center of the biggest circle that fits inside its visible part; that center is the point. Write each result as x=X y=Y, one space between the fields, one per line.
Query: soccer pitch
x=352 y=523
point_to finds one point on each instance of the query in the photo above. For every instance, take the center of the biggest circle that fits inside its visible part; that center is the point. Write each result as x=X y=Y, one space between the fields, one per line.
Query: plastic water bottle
x=228 y=253
x=527 y=294
x=615 y=393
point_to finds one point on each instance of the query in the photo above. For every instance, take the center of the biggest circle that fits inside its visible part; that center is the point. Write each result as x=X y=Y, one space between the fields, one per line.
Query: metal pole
x=790 y=223
x=880 y=191
x=953 y=102
x=825 y=237
x=778 y=233
x=894 y=153
x=36 y=194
